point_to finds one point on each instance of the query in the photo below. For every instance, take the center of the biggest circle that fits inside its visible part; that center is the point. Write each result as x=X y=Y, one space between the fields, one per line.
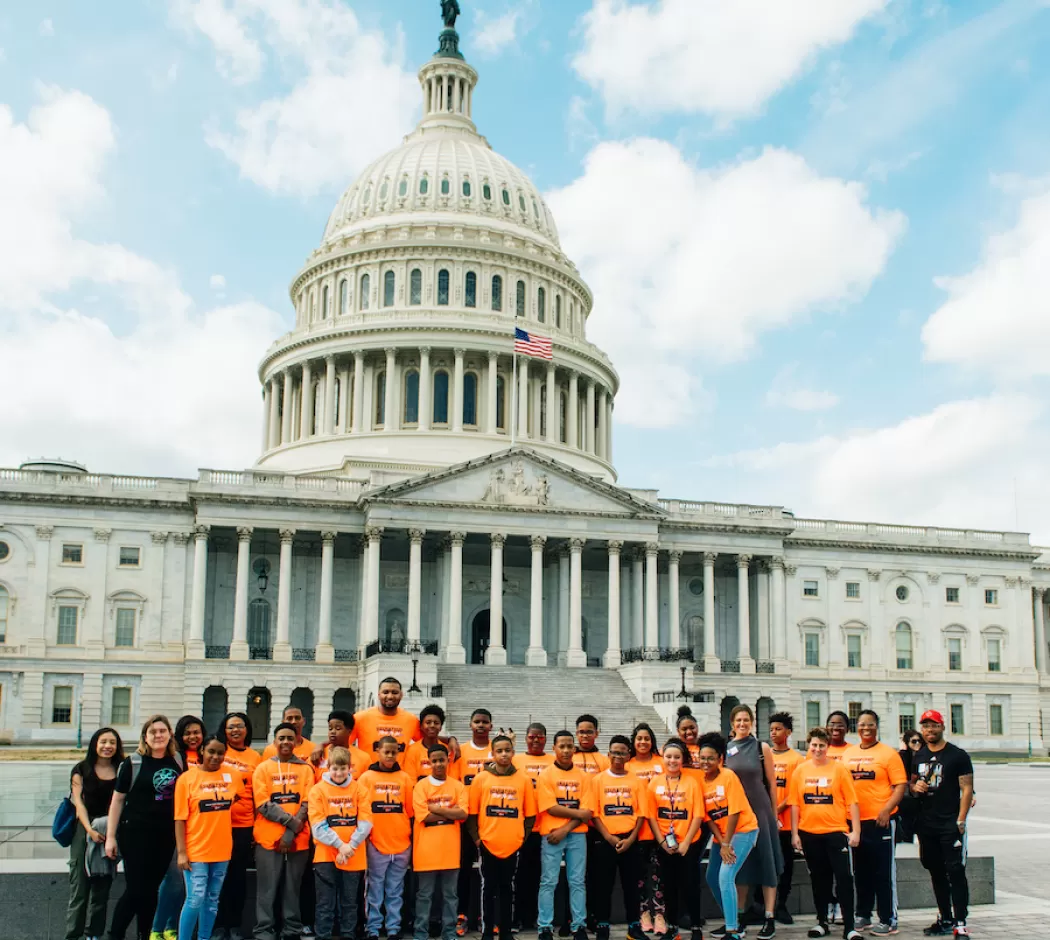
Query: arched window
x=466 y=187
x=486 y=192
x=557 y=310
x=324 y=303
x=506 y=197
x=563 y=418
x=402 y=187
x=470 y=399
x=5 y=603
x=383 y=191
x=497 y=292
x=415 y=287
x=541 y=305
x=443 y=288
x=470 y=290
x=424 y=185
x=445 y=187
x=904 y=645
x=411 y=397
x=344 y=298
x=521 y=202
x=380 y=399
x=441 y=397
x=519 y=300
x=501 y=403
x=366 y=282
x=259 y=624
x=388 y=289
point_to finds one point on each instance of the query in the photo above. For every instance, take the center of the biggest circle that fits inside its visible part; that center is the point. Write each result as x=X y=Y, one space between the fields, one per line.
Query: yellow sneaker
x=171 y=935
x=156 y=935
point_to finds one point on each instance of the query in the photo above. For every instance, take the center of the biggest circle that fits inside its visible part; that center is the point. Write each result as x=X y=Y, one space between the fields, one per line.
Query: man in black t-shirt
x=942 y=782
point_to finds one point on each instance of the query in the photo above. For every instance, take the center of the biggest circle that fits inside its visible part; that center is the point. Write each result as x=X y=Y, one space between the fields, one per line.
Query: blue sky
x=819 y=237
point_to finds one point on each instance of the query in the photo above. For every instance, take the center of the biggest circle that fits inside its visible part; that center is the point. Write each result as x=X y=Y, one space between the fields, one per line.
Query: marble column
x=743 y=610
x=778 y=609
x=275 y=415
x=286 y=408
x=673 y=618
x=637 y=598
x=344 y=411
x=359 y=393
x=523 y=398
x=609 y=433
x=536 y=655
x=588 y=432
x=652 y=597
x=572 y=431
x=553 y=406
x=239 y=646
x=496 y=654
x=454 y=652
x=576 y=655
x=426 y=386
x=195 y=647
x=711 y=661
x=1040 y=632
x=306 y=411
x=490 y=393
x=390 y=416
x=563 y=604
x=267 y=409
x=374 y=534
x=536 y=399
x=612 y=647
x=325 y=652
x=328 y=424
x=457 y=388
x=282 y=648
x=603 y=425
x=415 y=581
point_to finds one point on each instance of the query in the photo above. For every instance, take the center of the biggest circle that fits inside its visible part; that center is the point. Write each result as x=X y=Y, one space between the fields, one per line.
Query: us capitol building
x=416 y=508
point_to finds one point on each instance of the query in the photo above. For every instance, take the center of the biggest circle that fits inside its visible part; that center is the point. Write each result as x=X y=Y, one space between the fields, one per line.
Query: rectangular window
x=810 y=589
x=991 y=597
x=995 y=663
x=125 y=627
x=955 y=654
x=62 y=705
x=958 y=720
x=853 y=651
x=130 y=556
x=995 y=719
x=120 y=708
x=951 y=595
x=905 y=717
x=852 y=590
x=813 y=715
x=853 y=710
x=72 y=554
x=812 y=649
x=67 y=626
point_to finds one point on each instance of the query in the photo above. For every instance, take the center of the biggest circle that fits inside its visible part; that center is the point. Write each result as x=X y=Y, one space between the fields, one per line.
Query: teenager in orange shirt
x=532 y=763
x=821 y=798
x=281 y=786
x=837 y=727
x=565 y=802
x=621 y=806
x=676 y=815
x=440 y=806
x=304 y=748
x=340 y=728
x=689 y=733
x=785 y=760
x=387 y=719
x=388 y=790
x=646 y=763
x=340 y=821
x=733 y=825
x=502 y=813
x=417 y=755
x=474 y=755
x=204 y=835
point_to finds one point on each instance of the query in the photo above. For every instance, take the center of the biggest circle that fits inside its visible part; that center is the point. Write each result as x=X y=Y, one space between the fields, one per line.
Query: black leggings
x=235 y=884
x=147 y=852
x=830 y=865
x=681 y=882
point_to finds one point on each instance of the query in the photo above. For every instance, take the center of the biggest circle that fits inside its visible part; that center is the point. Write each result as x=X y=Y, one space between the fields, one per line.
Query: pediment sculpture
x=515 y=489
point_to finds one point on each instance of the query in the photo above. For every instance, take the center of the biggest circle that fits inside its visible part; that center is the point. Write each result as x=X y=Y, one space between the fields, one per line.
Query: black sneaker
x=719 y=932
x=602 y=932
x=635 y=932
x=818 y=930
x=769 y=929
x=546 y=934
x=580 y=934
x=783 y=916
x=939 y=928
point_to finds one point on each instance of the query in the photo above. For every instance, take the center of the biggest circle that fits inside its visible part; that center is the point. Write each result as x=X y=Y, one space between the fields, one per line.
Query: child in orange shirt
x=340 y=821
x=440 y=806
x=646 y=763
x=417 y=755
x=340 y=728
x=502 y=811
x=532 y=763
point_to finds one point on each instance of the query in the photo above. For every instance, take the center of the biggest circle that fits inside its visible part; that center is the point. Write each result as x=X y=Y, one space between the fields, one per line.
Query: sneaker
x=547 y=934
x=783 y=916
x=602 y=933
x=835 y=914
x=852 y=935
x=637 y=931
x=174 y=935
x=862 y=923
x=461 y=925
x=939 y=928
x=646 y=923
x=156 y=935
x=564 y=931
x=672 y=932
x=719 y=932
x=307 y=933
x=579 y=934
x=818 y=930
x=697 y=934
x=960 y=929
x=660 y=925
x=883 y=930
x=769 y=929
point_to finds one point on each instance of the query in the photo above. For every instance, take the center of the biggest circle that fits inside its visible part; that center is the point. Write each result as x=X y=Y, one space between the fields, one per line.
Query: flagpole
x=514 y=403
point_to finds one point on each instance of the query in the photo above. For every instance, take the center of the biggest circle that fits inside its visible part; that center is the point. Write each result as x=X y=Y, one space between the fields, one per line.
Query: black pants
x=146 y=851
x=607 y=862
x=593 y=883
x=786 y=850
x=681 y=882
x=468 y=855
x=875 y=868
x=527 y=881
x=235 y=884
x=943 y=854
x=830 y=867
x=497 y=893
x=307 y=892
x=336 y=897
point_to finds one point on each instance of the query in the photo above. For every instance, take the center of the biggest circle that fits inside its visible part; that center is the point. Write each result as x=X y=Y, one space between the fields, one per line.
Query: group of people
x=391 y=809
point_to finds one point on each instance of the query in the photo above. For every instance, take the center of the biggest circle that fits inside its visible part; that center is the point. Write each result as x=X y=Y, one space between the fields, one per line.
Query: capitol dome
x=402 y=359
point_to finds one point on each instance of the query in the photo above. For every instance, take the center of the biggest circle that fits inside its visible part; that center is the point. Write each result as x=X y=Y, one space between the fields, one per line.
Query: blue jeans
x=203 y=884
x=169 y=900
x=721 y=878
x=573 y=848
x=386 y=884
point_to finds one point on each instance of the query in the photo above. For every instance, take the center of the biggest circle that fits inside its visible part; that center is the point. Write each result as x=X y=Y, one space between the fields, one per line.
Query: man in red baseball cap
x=942 y=782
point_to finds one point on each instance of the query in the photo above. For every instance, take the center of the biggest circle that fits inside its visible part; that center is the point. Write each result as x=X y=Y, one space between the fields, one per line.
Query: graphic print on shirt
x=164 y=783
x=215 y=803
x=283 y=779
x=440 y=801
x=622 y=798
x=344 y=813
x=568 y=793
x=812 y=786
x=507 y=807
x=715 y=803
x=388 y=799
x=672 y=805
x=932 y=772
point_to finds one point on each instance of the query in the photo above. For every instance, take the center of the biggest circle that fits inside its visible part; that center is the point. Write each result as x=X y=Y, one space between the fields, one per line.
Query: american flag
x=529 y=344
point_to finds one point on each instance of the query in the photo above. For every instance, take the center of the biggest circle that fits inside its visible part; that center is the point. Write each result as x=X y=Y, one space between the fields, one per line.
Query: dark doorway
x=214 y=707
x=344 y=700
x=259 y=713
x=728 y=704
x=303 y=699
x=480 y=636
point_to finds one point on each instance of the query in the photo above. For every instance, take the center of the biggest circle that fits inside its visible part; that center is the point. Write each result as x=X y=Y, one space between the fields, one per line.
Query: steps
x=518 y=695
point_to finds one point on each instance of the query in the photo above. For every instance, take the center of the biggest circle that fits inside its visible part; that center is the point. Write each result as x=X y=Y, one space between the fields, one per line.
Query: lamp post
x=414 y=687
x=683 y=693
x=80 y=729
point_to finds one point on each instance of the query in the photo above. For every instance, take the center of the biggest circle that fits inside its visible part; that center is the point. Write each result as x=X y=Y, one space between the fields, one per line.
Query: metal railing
x=216 y=652
x=765 y=667
x=260 y=652
x=346 y=656
x=404 y=647
x=303 y=654
x=730 y=665
x=661 y=654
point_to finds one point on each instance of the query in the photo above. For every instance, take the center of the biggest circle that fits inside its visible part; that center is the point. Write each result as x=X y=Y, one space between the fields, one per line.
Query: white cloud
x=692 y=265
x=493 y=34
x=786 y=391
x=217 y=282
x=725 y=59
x=47 y=27
x=349 y=94
x=997 y=316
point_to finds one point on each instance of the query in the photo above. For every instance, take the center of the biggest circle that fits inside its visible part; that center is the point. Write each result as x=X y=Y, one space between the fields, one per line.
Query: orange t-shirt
x=436 y=844
x=244 y=763
x=590 y=762
x=676 y=803
x=359 y=762
x=876 y=771
x=472 y=761
x=390 y=797
x=823 y=796
x=416 y=762
x=287 y=785
x=502 y=803
x=204 y=800
x=343 y=809
x=724 y=796
x=557 y=787
x=532 y=765
x=691 y=765
x=837 y=752
x=619 y=801
x=784 y=764
x=303 y=750
x=645 y=770
x=193 y=759
x=371 y=725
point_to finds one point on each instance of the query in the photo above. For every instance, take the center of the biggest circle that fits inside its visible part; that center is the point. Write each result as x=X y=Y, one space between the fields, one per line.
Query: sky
x=817 y=233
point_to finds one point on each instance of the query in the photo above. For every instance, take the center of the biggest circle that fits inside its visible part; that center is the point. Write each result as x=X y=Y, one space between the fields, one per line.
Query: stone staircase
x=518 y=695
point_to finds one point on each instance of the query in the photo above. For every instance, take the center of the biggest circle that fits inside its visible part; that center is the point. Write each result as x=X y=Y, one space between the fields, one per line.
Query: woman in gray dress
x=752 y=762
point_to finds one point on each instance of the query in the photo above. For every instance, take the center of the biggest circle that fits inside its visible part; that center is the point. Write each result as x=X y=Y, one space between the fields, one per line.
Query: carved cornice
x=159 y=538
x=102 y=535
x=906 y=549
x=181 y=538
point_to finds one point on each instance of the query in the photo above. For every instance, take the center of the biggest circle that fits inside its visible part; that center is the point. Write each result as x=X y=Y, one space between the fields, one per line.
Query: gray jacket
x=96 y=863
